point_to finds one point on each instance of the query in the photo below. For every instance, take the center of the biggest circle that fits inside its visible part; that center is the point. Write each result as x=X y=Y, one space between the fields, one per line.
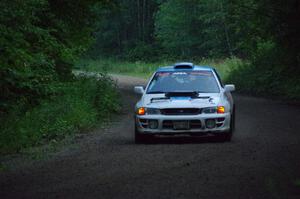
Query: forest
x=41 y=40
x=263 y=34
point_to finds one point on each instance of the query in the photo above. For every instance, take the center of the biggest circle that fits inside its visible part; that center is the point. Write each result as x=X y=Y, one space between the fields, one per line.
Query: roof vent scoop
x=183 y=65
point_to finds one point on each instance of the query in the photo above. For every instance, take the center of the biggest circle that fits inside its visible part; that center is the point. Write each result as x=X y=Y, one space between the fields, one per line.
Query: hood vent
x=191 y=94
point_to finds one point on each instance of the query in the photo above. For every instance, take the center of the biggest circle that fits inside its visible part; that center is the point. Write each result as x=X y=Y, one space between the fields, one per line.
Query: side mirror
x=229 y=87
x=139 y=90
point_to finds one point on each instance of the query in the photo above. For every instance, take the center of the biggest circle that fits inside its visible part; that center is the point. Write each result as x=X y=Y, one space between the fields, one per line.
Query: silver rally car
x=184 y=99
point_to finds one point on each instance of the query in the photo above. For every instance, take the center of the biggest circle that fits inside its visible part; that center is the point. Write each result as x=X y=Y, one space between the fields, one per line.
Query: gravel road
x=262 y=161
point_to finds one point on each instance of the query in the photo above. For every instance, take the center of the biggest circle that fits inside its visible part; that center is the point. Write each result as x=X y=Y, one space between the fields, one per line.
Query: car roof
x=190 y=67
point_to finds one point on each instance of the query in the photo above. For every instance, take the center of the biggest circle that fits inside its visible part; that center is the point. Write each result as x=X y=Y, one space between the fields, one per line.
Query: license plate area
x=181 y=125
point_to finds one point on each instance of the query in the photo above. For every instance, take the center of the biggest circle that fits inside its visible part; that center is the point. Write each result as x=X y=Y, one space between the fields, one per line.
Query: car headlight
x=148 y=111
x=216 y=109
x=210 y=110
x=152 y=111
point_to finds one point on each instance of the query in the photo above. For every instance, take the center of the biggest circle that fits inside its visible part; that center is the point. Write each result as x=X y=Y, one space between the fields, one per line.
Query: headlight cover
x=216 y=109
x=210 y=110
x=152 y=111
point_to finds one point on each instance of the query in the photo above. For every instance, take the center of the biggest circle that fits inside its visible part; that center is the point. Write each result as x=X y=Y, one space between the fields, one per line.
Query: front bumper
x=197 y=124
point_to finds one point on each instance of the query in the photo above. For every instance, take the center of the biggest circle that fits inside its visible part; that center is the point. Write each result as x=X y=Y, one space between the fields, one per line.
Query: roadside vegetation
x=40 y=99
x=146 y=69
x=73 y=107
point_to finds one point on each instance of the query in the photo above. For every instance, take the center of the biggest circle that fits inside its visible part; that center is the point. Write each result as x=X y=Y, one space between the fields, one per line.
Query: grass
x=74 y=107
x=248 y=78
x=145 y=70
x=138 y=69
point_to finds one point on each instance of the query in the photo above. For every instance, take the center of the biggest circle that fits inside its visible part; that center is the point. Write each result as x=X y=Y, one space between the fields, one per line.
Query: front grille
x=168 y=124
x=194 y=124
x=180 y=111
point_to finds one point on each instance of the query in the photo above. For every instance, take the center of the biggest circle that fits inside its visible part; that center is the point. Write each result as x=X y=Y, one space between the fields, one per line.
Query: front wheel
x=228 y=135
x=140 y=138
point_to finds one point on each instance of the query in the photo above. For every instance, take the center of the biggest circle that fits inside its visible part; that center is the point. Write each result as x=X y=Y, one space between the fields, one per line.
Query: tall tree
x=125 y=29
x=194 y=28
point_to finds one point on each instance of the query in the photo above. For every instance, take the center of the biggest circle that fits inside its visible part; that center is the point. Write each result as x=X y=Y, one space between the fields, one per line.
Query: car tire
x=140 y=138
x=228 y=135
x=232 y=123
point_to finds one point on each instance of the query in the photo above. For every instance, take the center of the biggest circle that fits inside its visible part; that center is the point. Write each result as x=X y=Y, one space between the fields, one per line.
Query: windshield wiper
x=155 y=92
x=191 y=94
x=203 y=92
x=159 y=99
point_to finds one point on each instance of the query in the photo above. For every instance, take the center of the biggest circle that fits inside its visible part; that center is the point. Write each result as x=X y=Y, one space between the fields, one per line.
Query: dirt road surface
x=262 y=160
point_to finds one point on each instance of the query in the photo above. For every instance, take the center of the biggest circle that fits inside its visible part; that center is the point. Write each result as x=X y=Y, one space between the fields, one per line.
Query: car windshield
x=183 y=81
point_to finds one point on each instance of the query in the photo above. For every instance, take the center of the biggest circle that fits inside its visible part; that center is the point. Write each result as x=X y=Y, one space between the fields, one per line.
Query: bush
x=266 y=74
x=75 y=106
x=142 y=51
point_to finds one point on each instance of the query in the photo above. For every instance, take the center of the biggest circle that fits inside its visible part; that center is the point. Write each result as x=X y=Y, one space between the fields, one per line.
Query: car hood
x=208 y=100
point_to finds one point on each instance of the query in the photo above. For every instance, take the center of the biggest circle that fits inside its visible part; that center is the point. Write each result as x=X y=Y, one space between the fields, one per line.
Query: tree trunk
x=226 y=31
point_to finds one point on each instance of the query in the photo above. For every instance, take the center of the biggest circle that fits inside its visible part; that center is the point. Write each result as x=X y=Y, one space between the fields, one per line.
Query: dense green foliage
x=139 y=29
x=76 y=106
x=126 y=29
x=40 y=98
x=272 y=45
x=39 y=41
x=193 y=28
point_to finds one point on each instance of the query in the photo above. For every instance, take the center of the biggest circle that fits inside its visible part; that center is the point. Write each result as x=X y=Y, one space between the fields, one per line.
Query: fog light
x=153 y=124
x=210 y=123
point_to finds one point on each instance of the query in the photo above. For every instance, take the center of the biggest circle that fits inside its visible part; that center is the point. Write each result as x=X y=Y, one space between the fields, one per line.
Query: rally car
x=184 y=99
